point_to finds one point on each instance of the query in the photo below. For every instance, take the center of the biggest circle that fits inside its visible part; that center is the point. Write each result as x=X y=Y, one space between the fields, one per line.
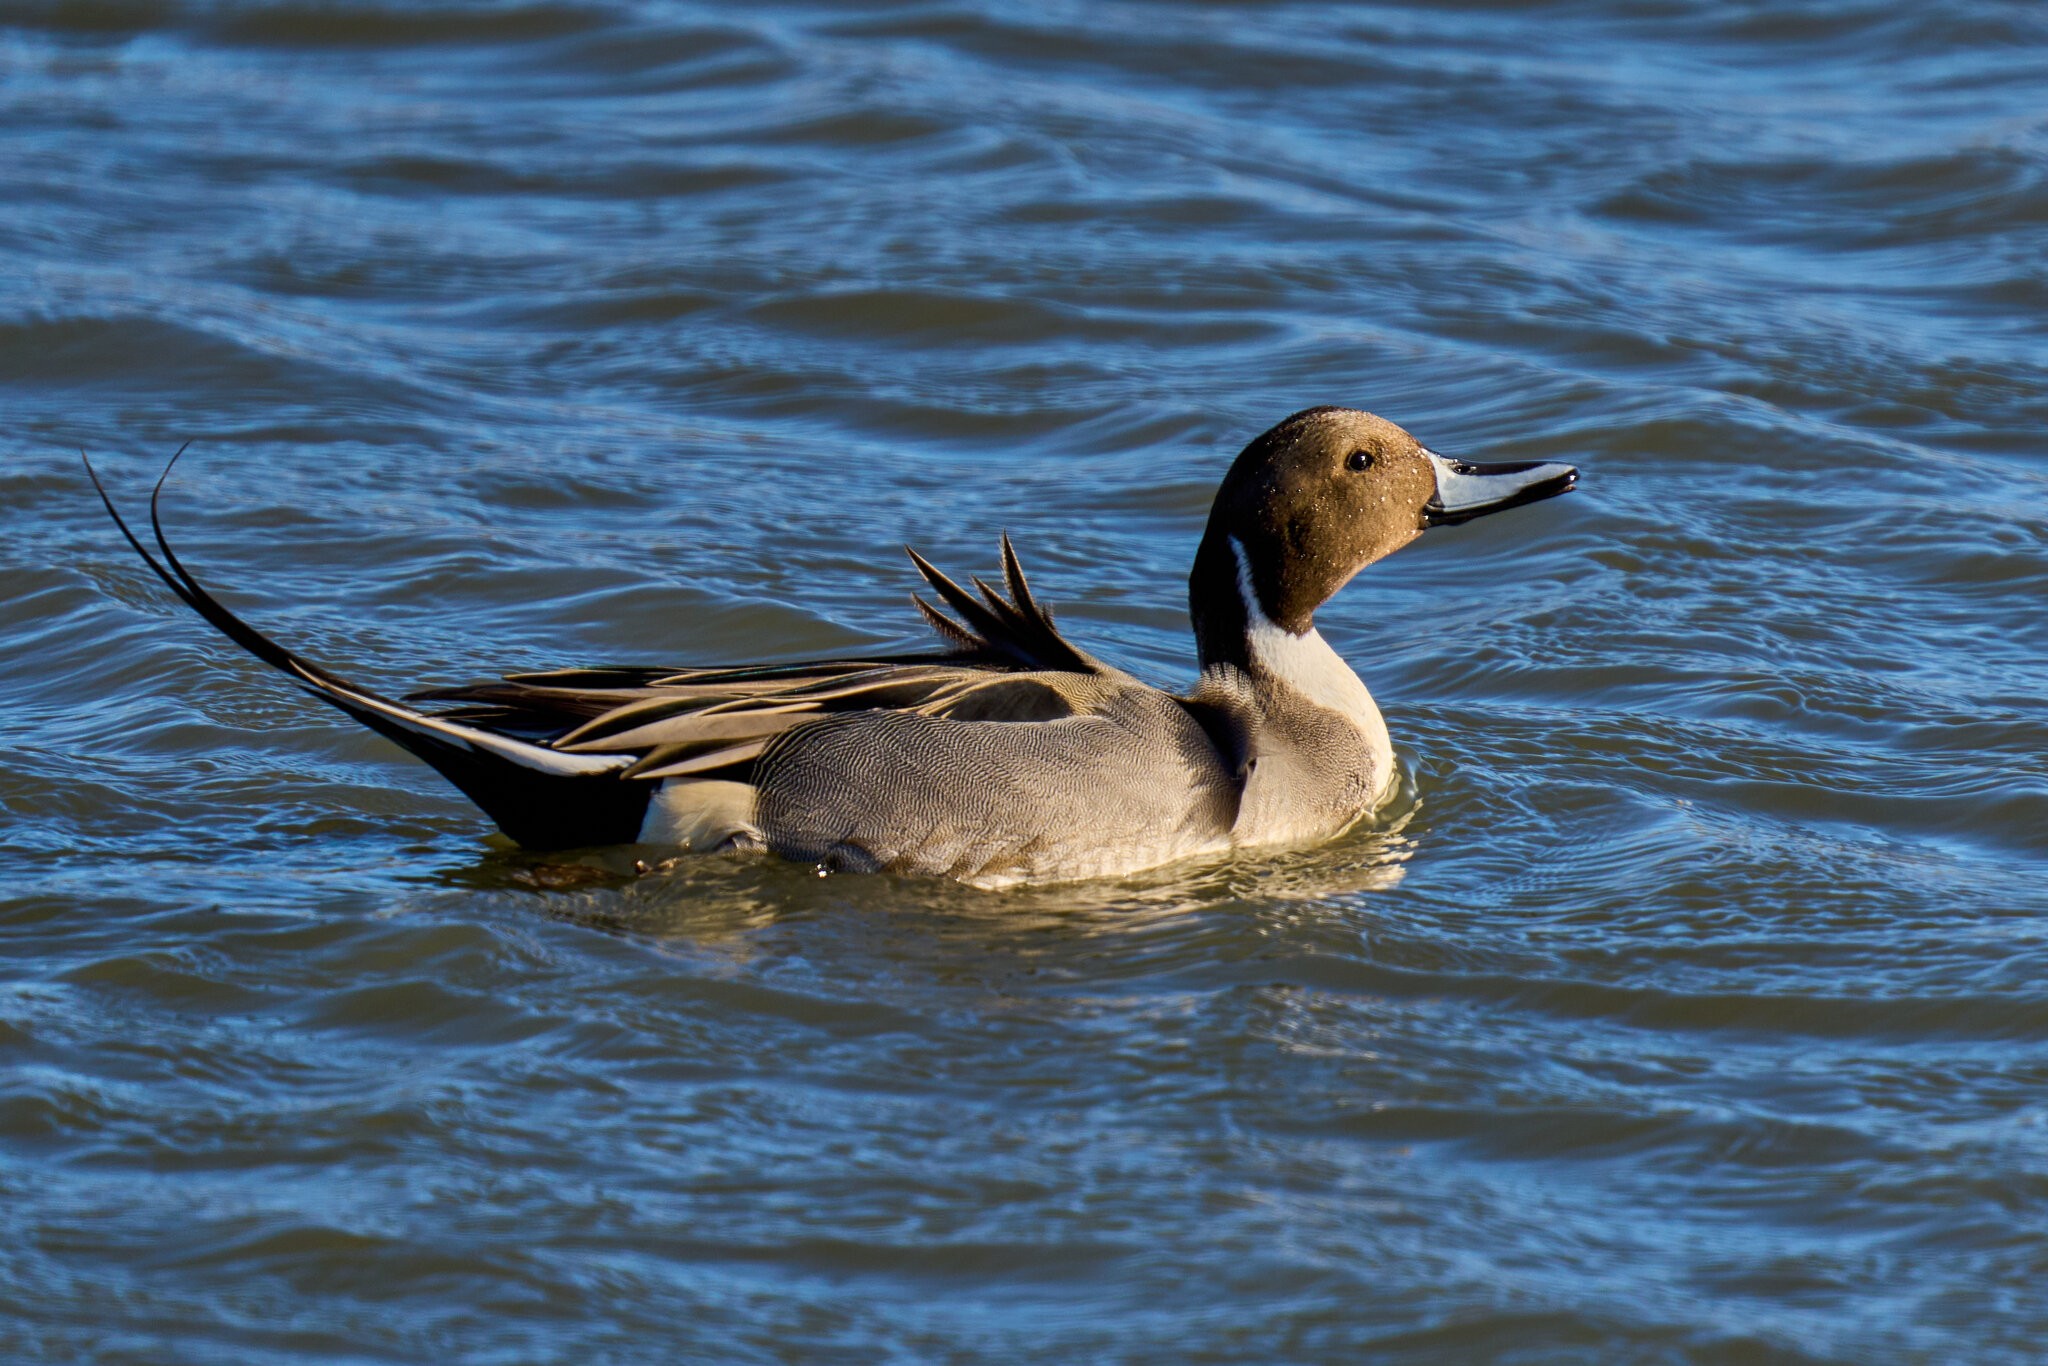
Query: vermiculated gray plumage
x=1130 y=775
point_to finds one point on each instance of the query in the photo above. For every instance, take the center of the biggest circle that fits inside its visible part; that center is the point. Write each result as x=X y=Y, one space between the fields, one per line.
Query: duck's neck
x=1233 y=631
x=1218 y=604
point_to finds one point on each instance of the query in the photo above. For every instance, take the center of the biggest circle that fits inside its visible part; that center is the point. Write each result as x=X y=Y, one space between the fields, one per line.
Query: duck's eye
x=1358 y=460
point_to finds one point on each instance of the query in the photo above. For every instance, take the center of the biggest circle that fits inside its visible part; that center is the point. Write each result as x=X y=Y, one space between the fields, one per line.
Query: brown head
x=1322 y=495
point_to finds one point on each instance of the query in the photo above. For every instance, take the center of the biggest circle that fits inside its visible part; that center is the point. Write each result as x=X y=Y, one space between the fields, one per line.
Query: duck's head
x=1322 y=495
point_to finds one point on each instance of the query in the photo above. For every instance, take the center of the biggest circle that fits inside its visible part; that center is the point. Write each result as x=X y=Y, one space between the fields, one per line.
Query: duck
x=1008 y=755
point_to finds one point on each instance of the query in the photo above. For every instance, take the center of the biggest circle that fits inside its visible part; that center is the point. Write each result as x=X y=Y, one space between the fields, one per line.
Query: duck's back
x=1128 y=781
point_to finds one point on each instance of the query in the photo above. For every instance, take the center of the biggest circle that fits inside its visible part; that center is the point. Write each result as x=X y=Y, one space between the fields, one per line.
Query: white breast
x=1303 y=662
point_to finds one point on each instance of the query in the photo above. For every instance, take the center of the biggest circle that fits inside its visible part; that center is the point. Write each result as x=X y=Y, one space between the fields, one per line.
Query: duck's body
x=1127 y=780
x=1009 y=757
x=1043 y=776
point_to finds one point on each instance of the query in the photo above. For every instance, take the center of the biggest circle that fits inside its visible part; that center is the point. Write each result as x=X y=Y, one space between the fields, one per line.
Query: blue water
x=1690 y=1006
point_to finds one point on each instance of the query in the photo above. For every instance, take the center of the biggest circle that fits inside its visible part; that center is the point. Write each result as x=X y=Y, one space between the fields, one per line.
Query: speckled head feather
x=1318 y=497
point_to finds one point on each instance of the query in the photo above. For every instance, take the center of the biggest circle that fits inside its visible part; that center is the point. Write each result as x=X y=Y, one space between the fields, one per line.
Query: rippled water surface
x=1692 y=1006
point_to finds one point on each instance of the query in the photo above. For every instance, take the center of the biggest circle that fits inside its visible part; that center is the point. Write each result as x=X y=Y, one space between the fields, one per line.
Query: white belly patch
x=704 y=816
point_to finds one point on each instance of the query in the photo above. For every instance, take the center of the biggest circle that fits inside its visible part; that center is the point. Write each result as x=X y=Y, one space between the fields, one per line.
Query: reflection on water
x=1686 y=1006
x=722 y=903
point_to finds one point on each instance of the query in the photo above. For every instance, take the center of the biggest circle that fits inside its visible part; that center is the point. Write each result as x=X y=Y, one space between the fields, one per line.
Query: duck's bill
x=1466 y=489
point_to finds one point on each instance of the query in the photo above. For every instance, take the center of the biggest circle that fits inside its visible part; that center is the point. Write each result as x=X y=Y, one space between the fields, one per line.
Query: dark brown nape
x=1215 y=605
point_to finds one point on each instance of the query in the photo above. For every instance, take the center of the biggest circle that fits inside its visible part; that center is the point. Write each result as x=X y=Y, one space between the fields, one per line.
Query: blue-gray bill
x=1466 y=489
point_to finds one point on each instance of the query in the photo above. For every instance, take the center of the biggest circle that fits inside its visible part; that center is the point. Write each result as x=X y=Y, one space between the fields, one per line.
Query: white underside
x=1307 y=664
x=704 y=815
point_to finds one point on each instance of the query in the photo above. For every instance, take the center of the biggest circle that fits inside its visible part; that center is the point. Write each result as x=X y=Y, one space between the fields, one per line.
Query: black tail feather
x=541 y=807
x=1015 y=629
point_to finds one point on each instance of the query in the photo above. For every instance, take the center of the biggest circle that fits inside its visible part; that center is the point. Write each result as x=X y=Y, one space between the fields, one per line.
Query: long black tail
x=541 y=797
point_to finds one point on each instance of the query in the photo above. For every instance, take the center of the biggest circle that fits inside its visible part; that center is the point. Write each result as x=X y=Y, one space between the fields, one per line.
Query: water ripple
x=1685 y=1005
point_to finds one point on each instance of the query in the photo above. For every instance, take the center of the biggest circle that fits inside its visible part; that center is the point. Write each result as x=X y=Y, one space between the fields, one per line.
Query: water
x=1693 y=1007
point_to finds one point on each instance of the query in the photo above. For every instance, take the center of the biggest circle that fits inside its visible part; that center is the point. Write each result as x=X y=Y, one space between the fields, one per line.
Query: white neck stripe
x=1303 y=662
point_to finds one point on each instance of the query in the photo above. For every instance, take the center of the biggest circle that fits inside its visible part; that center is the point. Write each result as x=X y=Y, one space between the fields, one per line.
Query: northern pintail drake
x=1008 y=756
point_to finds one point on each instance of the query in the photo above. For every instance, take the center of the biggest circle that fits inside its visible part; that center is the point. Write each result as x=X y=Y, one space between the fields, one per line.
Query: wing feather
x=666 y=722
x=949 y=629
x=696 y=728
x=980 y=623
x=664 y=762
x=543 y=752
x=1015 y=628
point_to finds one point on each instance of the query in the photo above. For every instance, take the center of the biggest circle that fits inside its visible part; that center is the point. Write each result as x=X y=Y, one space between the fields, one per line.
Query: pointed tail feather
x=538 y=795
x=1015 y=628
